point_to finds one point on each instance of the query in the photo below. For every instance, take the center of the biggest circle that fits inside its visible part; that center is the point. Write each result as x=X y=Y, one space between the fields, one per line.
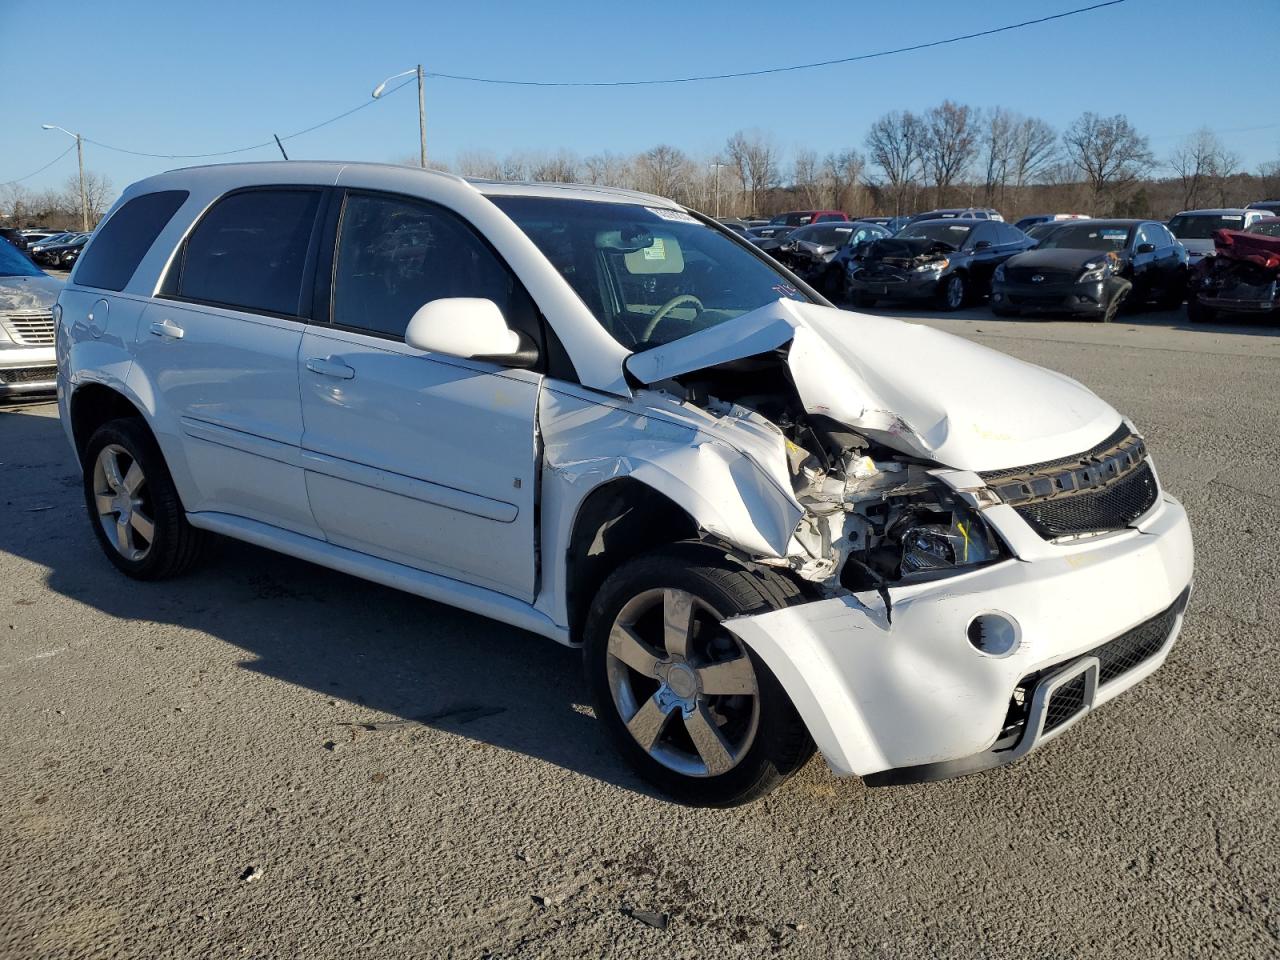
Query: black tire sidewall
x=168 y=553
x=777 y=751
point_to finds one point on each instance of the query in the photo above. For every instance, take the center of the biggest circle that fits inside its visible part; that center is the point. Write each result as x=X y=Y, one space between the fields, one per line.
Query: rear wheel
x=133 y=505
x=691 y=709
x=951 y=292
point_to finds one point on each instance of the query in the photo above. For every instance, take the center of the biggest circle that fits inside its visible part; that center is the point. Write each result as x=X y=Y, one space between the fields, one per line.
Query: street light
x=84 y=201
x=422 y=111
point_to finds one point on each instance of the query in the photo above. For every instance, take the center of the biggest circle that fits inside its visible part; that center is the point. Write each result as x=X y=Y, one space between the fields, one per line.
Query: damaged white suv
x=600 y=417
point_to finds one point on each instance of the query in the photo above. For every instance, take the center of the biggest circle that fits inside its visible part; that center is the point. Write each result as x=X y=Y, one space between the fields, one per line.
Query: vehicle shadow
x=388 y=659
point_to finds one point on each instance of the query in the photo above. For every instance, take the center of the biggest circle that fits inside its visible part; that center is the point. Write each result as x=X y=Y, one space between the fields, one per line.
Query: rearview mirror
x=468 y=327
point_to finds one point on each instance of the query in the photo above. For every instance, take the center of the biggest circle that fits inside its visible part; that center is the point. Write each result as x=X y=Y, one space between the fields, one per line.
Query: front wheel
x=951 y=292
x=695 y=712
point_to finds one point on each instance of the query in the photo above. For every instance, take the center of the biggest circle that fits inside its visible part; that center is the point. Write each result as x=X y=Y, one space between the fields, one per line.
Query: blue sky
x=201 y=77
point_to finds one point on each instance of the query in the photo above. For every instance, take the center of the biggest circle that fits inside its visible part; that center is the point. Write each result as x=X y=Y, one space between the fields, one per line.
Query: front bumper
x=1239 y=304
x=912 y=696
x=1078 y=299
x=905 y=285
x=27 y=370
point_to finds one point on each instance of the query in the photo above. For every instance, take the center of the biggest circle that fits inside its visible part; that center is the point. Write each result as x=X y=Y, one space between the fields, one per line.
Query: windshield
x=1086 y=237
x=1269 y=227
x=14 y=264
x=650 y=275
x=947 y=232
x=1201 y=226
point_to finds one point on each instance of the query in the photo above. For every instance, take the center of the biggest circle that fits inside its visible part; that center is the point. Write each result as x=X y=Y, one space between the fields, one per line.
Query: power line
x=771 y=70
x=41 y=170
x=256 y=146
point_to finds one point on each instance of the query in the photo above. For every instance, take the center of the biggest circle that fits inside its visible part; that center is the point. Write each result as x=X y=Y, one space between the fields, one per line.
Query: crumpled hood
x=913 y=388
x=23 y=294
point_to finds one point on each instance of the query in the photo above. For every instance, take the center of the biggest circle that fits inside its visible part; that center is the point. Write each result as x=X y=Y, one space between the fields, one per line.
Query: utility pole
x=84 y=200
x=716 y=167
x=422 y=122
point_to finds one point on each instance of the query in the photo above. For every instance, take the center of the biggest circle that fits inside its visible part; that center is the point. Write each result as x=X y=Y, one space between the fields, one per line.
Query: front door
x=421 y=459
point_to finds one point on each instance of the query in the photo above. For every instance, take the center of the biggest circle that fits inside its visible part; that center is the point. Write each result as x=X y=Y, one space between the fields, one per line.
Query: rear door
x=219 y=347
x=423 y=459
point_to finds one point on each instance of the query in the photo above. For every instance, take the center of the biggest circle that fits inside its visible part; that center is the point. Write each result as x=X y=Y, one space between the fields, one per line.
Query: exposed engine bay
x=874 y=517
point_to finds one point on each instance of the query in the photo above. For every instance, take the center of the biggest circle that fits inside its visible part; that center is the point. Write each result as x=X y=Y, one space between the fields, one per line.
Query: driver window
x=396 y=254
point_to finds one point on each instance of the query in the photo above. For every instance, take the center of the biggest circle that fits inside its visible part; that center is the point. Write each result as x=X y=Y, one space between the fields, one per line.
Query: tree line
x=950 y=155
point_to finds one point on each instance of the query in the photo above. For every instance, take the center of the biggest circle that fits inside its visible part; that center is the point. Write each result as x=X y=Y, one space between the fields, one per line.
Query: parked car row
x=61 y=250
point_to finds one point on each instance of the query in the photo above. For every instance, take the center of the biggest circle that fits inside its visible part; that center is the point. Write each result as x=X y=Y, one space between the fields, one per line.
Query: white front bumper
x=878 y=695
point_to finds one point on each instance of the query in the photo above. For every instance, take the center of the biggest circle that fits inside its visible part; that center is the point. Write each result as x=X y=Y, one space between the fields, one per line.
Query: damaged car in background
x=946 y=263
x=770 y=525
x=1243 y=276
x=819 y=253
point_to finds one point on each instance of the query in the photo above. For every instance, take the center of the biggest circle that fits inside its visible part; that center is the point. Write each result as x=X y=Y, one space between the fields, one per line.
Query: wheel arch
x=93 y=404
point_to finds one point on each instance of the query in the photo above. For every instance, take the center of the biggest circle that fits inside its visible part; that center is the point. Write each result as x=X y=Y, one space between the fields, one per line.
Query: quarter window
x=395 y=255
x=125 y=238
x=250 y=251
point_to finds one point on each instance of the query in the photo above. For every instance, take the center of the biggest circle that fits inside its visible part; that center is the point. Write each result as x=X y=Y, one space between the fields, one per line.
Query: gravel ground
x=268 y=759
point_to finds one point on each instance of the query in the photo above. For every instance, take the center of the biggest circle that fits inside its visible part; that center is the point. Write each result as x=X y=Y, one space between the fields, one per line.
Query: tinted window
x=14 y=264
x=1086 y=235
x=983 y=231
x=1008 y=234
x=125 y=239
x=250 y=251
x=1202 y=226
x=395 y=255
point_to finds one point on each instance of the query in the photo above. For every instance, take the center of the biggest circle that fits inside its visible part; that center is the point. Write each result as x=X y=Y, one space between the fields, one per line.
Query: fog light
x=995 y=634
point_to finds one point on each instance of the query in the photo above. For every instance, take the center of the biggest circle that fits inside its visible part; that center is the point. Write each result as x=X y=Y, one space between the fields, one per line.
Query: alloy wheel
x=684 y=686
x=120 y=496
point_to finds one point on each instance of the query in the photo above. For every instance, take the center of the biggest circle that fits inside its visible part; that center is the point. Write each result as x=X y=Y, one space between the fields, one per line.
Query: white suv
x=597 y=416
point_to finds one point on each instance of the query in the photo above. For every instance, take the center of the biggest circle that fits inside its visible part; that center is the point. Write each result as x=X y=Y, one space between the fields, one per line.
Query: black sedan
x=62 y=254
x=818 y=253
x=1090 y=268
x=945 y=262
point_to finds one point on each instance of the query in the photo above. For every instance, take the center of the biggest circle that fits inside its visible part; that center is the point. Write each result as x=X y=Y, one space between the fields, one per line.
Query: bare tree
x=608 y=169
x=561 y=168
x=663 y=170
x=515 y=166
x=808 y=178
x=1035 y=149
x=478 y=163
x=1202 y=163
x=1108 y=152
x=997 y=154
x=895 y=143
x=950 y=145
x=842 y=176
x=754 y=158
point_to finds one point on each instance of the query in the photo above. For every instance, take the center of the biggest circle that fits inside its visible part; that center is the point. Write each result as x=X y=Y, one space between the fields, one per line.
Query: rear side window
x=250 y=251
x=122 y=242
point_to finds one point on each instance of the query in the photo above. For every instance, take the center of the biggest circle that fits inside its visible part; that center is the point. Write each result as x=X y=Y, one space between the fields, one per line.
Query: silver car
x=1195 y=228
x=27 y=295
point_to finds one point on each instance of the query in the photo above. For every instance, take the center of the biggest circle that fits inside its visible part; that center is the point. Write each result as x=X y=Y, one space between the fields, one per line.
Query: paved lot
x=268 y=759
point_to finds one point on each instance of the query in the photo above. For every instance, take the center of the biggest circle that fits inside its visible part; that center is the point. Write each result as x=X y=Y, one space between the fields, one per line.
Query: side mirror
x=468 y=327
x=982 y=245
x=1145 y=248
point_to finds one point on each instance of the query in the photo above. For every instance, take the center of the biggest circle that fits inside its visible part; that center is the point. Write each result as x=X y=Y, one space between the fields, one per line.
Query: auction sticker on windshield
x=677 y=216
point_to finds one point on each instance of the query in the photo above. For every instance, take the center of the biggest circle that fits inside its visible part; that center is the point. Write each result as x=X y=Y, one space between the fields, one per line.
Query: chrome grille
x=29 y=329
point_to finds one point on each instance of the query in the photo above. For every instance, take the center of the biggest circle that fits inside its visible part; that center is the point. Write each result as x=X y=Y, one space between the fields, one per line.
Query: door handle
x=330 y=367
x=167 y=328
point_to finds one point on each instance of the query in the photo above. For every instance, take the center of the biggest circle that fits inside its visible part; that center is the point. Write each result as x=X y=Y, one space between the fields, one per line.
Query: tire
x=863 y=300
x=1199 y=313
x=952 y=292
x=1118 y=297
x=761 y=739
x=141 y=497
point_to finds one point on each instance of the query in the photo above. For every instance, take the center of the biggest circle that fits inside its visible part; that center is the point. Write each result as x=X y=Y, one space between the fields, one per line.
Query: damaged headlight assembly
x=933 y=266
x=873 y=524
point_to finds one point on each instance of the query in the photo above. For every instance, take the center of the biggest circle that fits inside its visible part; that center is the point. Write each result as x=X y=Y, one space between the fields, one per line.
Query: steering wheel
x=666 y=308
